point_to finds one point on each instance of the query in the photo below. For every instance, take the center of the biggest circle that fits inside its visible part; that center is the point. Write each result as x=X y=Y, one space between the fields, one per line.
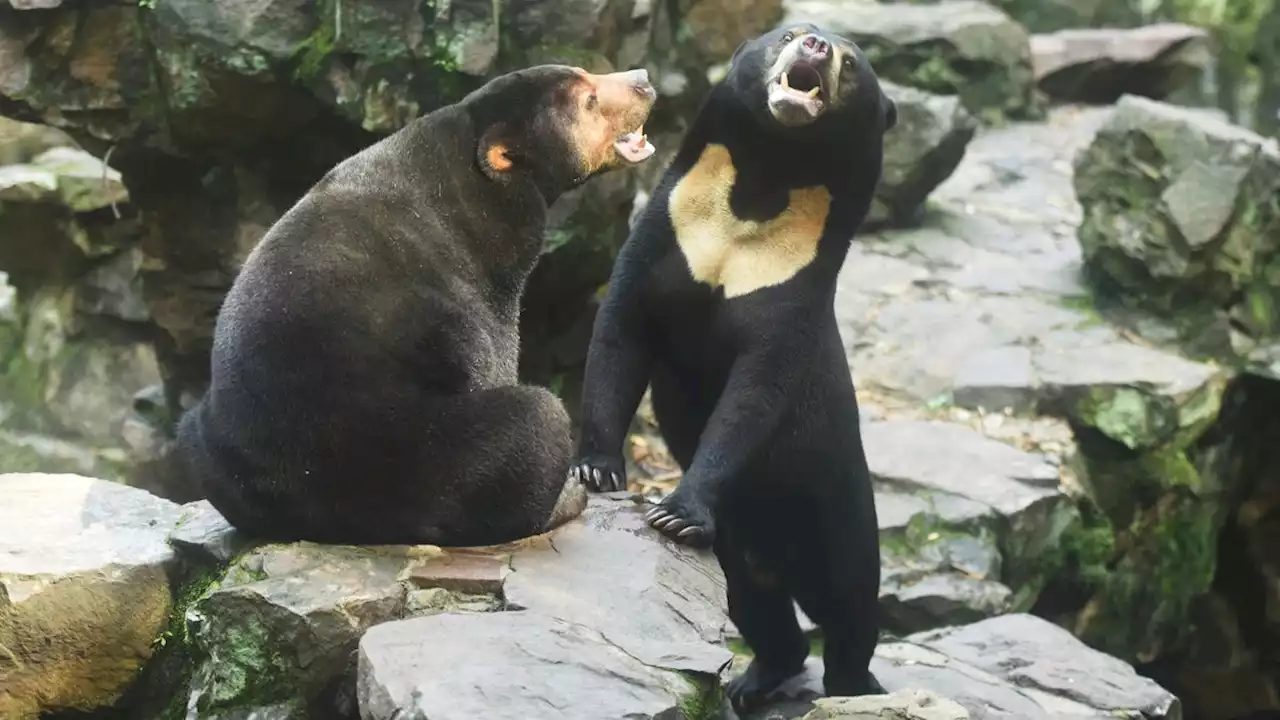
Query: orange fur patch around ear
x=497 y=158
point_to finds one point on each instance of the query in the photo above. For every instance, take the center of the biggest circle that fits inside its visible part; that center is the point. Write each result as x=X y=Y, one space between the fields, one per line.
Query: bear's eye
x=788 y=37
x=848 y=62
x=592 y=101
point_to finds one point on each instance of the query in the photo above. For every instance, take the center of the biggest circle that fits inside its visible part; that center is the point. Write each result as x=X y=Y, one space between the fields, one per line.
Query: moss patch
x=705 y=698
x=1168 y=557
x=175 y=663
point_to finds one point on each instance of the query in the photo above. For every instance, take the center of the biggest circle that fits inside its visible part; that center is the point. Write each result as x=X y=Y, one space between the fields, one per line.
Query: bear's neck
x=769 y=163
x=758 y=154
x=500 y=222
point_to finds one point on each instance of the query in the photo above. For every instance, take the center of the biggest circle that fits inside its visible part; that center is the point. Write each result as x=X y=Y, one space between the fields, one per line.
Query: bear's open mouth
x=634 y=146
x=796 y=95
x=803 y=79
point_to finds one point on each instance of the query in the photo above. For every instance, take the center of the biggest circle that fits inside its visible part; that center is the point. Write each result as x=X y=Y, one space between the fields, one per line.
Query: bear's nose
x=815 y=47
x=639 y=81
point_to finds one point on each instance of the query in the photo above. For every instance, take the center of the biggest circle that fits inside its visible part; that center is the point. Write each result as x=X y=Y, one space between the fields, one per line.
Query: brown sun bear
x=364 y=385
x=722 y=301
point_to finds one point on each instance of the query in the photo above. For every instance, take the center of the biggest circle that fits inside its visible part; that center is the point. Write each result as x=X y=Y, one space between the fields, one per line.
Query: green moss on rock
x=705 y=698
x=1167 y=560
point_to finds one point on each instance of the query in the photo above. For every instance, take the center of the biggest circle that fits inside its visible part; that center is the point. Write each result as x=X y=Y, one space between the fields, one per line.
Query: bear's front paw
x=599 y=473
x=683 y=517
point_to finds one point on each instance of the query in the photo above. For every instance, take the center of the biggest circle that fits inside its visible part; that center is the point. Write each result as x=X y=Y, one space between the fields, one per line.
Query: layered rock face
x=597 y=619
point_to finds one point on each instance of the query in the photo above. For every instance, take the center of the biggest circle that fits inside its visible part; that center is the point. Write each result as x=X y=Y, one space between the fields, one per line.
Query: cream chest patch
x=738 y=255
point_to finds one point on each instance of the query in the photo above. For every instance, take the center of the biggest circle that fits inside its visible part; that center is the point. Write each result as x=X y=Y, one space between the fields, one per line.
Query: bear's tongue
x=634 y=147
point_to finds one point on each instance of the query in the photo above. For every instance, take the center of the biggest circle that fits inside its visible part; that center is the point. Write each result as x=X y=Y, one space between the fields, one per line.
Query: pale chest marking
x=739 y=255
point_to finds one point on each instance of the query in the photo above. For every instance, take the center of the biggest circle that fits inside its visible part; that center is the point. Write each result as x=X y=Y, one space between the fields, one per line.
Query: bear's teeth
x=785 y=82
x=813 y=92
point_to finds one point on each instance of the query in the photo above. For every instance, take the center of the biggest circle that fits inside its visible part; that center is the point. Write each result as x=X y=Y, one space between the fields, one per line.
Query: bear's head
x=799 y=76
x=559 y=125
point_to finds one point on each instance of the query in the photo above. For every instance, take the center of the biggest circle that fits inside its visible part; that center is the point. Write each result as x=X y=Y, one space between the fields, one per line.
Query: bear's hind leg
x=480 y=468
x=763 y=612
x=839 y=591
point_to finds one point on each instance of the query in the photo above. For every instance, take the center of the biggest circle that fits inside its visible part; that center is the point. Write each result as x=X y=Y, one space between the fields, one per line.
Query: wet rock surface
x=961 y=47
x=1100 y=65
x=84 y=590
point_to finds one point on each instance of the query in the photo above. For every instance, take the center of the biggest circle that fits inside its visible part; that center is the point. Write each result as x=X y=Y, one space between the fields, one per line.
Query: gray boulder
x=921 y=152
x=1180 y=221
x=84 y=590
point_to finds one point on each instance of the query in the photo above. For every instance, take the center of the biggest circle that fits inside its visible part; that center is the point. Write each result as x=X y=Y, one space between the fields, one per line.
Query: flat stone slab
x=1034 y=654
x=1099 y=65
x=610 y=572
x=1012 y=666
x=84 y=589
x=519 y=665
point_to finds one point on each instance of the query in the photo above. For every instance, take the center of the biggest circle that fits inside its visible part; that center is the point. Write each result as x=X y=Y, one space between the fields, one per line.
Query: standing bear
x=364 y=384
x=722 y=300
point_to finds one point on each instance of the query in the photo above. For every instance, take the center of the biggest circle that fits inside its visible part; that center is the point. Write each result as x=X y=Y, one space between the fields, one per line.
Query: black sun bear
x=722 y=300
x=364 y=385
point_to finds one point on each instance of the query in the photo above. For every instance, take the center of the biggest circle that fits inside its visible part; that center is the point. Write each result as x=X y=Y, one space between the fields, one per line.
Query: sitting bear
x=722 y=301
x=364 y=384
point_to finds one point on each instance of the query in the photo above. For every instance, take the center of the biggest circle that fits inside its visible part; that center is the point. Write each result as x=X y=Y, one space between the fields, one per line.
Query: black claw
x=665 y=521
x=576 y=474
x=595 y=477
x=690 y=531
x=654 y=513
x=673 y=527
x=655 y=519
x=617 y=482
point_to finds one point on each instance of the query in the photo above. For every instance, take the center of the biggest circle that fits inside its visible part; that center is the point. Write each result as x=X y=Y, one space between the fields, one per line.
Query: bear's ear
x=890 y=110
x=494 y=152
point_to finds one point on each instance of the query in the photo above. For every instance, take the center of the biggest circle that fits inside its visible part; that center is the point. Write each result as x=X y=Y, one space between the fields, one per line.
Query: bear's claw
x=688 y=524
x=597 y=475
